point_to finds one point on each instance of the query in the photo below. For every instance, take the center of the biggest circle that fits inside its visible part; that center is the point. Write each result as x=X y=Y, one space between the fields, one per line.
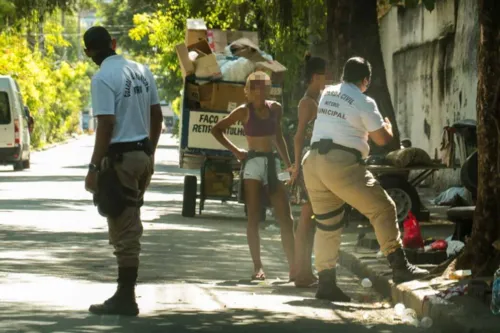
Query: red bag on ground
x=439 y=245
x=412 y=237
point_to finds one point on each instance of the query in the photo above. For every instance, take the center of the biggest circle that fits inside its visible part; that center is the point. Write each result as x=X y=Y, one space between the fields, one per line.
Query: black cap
x=97 y=38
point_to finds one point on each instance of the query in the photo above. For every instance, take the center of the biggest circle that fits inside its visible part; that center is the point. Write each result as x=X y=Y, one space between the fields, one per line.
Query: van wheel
x=26 y=164
x=19 y=166
x=189 y=197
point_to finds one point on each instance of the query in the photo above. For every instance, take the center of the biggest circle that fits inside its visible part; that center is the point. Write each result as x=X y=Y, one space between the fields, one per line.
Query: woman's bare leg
x=253 y=202
x=303 y=247
x=281 y=205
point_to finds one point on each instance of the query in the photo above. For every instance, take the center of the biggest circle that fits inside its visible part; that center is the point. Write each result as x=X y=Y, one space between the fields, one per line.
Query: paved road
x=55 y=261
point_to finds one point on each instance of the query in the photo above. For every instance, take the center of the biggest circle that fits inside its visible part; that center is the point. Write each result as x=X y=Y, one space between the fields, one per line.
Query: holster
x=112 y=197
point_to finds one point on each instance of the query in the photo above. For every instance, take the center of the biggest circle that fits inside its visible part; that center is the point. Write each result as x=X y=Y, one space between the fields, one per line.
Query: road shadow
x=233 y=320
x=172 y=250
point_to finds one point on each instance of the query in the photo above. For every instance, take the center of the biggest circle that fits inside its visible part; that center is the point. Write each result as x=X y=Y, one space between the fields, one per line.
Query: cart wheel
x=189 y=197
x=404 y=195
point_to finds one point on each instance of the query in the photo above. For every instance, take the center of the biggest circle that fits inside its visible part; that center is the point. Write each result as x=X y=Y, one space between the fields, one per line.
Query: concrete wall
x=431 y=66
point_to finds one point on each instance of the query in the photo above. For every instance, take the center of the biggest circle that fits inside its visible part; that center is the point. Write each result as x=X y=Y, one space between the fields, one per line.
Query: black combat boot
x=402 y=270
x=327 y=287
x=123 y=301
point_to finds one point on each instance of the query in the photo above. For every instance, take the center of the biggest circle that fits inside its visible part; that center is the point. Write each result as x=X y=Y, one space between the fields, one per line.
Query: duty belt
x=125 y=147
x=325 y=145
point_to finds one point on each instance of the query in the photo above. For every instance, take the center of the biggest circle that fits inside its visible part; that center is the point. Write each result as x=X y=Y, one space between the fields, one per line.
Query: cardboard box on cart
x=274 y=69
x=216 y=96
x=196 y=31
x=198 y=59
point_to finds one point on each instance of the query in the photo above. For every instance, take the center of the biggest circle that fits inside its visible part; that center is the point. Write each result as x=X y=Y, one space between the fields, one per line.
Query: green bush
x=55 y=91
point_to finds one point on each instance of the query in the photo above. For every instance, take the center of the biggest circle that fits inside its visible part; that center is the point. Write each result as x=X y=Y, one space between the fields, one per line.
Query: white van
x=15 y=126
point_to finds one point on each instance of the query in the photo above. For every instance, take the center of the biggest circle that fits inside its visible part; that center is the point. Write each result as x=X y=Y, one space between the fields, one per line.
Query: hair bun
x=307 y=56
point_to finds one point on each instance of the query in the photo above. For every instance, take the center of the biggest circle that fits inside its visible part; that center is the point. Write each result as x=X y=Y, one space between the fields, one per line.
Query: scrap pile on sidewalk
x=215 y=63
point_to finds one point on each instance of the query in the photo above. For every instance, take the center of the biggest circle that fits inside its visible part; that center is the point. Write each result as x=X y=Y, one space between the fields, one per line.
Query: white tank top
x=346 y=116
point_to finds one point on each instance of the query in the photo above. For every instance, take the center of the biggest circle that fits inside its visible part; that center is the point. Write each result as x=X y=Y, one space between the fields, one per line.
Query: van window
x=5 y=117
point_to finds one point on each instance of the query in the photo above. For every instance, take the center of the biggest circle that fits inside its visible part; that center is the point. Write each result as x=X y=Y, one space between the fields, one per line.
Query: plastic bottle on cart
x=495 y=296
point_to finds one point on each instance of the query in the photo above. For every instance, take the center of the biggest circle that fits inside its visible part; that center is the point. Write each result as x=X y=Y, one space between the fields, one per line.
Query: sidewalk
x=461 y=314
x=457 y=315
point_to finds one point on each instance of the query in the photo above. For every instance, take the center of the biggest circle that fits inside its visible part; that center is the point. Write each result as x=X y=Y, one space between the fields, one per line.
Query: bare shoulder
x=240 y=113
x=307 y=103
x=243 y=108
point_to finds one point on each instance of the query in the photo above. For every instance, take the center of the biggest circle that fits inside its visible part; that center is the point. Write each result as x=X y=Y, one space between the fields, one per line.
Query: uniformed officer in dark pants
x=129 y=120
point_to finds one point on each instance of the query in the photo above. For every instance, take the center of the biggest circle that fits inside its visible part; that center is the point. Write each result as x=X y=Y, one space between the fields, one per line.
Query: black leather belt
x=125 y=147
x=325 y=145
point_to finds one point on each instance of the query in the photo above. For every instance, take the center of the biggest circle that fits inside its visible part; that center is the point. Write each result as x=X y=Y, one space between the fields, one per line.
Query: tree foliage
x=283 y=27
x=54 y=91
x=13 y=12
x=117 y=16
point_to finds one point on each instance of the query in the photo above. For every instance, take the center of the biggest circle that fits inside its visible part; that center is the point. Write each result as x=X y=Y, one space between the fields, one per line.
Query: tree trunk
x=479 y=253
x=352 y=27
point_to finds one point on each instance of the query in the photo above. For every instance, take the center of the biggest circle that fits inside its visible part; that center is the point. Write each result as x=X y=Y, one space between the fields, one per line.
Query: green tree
x=118 y=17
x=13 y=12
x=55 y=91
x=285 y=40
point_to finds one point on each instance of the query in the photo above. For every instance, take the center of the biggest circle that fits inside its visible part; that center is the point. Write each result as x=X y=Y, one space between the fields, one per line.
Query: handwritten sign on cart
x=200 y=127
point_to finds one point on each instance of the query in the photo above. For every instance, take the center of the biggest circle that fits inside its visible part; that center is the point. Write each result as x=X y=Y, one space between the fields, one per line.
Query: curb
x=462 y=315
x=60 y=143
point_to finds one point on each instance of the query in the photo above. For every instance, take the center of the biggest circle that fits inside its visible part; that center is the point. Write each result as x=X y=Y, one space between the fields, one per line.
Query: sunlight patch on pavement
x=169 y=179
x=270 y=302
x=55 y=221
x=166 y=197
x=62 y=190
x=32 y=255
x=178 y=227
x=52 y=294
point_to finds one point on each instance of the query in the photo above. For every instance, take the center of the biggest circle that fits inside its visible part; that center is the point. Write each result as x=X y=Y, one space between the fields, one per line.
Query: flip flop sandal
x=259 y=277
